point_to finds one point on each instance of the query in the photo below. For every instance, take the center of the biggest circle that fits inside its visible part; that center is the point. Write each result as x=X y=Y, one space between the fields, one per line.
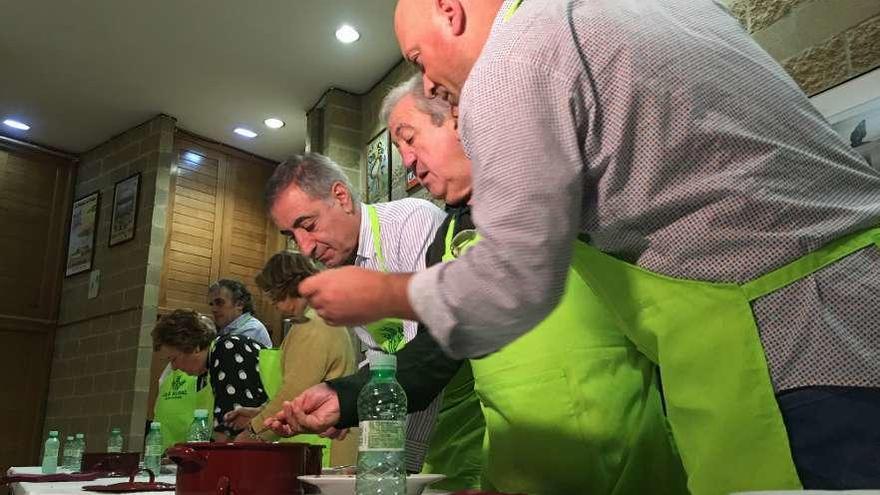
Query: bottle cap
x=69 y=437
x=80 y=435
x=155 y=425
x=200 y=413
x=53 y=433
x=115 y=430
x=382 y=361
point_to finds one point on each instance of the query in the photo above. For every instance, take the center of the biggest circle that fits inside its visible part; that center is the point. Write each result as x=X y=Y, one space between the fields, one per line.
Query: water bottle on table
x=382 y=415
x=67 y=453
x=50 y=453
x=199 y=431
x=80 y=443
x=114 y=442
x=153 y=448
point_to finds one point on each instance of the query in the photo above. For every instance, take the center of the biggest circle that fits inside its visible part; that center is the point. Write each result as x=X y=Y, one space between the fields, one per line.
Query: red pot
x=205 y=468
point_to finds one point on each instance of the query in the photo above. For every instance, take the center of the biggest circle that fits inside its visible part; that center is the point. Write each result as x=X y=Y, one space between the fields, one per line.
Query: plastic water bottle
x=153 y=448
x=80 y=443
x=382 y=415
x=67 y=453
x=199 y=431
x=114 y=443
x=50 y=453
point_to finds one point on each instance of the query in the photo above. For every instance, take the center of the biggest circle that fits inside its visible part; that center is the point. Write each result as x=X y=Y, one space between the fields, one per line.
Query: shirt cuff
x=427 y=300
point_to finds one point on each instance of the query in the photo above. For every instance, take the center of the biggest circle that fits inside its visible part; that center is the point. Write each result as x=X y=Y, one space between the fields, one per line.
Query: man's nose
x=306 y=243
x=430 y=87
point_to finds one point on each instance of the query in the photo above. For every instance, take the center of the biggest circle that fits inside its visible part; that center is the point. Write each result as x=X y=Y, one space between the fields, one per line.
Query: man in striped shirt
x=311 y=200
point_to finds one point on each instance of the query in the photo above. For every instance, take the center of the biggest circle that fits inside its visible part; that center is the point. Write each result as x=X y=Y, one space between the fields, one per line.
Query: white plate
x=343 y=484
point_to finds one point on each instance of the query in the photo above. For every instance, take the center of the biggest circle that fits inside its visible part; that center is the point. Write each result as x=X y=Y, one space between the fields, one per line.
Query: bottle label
x=153 y=450
x=382 y=435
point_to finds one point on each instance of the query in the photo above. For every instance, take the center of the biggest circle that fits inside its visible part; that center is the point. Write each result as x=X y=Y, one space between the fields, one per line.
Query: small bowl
x=343 y=484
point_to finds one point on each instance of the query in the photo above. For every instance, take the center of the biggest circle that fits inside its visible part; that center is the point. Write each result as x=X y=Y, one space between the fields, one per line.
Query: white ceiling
x=81 y=71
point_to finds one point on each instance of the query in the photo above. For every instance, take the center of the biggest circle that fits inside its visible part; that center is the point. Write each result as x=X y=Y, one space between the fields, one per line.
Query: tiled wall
x=820 y=42
x=101 y=364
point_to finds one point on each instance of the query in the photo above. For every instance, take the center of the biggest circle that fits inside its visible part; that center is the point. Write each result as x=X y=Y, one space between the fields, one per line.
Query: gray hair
x=240 y=293
x=313 y=173
x=437 y=108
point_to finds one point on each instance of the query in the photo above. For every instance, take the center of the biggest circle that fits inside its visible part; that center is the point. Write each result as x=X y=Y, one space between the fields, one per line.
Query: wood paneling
x=35 y=199
x=218 y=226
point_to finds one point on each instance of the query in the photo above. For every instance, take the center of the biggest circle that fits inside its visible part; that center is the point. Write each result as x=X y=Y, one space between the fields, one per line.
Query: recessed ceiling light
x=241 y=131
x=347 y=34
x=274 y=123
x=16 y=124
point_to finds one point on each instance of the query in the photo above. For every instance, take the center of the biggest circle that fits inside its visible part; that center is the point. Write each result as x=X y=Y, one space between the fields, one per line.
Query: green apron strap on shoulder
x=377 y=239
x=387 y=332
x=810 y=263
x=512 y=10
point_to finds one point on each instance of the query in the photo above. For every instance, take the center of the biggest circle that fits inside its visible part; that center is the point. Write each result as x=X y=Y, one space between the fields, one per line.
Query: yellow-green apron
x=572 y=407
x=175 y=402
x=456 y=443
x=272 y=374
x=719 y=399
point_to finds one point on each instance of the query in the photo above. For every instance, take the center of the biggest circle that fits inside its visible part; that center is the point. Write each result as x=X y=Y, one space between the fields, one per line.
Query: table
x=71 y=487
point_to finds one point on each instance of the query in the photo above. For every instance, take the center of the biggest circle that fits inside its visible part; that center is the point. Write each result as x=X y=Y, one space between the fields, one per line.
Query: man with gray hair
x=311 y=200
x=232 y=308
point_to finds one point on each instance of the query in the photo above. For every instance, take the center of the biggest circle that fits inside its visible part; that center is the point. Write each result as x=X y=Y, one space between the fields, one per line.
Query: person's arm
x=307 y=350
x=524 y=139
x=422 y=370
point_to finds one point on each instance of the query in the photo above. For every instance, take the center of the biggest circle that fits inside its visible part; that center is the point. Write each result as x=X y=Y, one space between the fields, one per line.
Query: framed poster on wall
x=378 y=168
x=124 y=216
x=853 y=110
x=81 y=239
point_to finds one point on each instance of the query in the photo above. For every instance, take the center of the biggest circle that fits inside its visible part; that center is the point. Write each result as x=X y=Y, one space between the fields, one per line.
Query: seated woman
x=230 y=363
x=312 y=352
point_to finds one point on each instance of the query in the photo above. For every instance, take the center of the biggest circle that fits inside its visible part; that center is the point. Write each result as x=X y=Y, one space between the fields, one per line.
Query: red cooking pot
x=205 y=468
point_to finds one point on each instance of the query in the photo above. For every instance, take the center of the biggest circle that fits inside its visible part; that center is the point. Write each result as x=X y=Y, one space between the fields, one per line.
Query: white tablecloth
x=67 y=488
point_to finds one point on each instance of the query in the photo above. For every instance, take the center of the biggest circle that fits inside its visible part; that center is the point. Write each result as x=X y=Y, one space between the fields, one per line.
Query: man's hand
x=355 y=296
x=246 y=437
x=315 y=410
x=318 y=408
x=240 y=417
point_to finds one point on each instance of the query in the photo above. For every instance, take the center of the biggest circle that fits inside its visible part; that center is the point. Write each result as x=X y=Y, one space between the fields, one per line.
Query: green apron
x=719 y=397
x=272 y=374
x=572 y=407
x=175 y=402
x=456 y=443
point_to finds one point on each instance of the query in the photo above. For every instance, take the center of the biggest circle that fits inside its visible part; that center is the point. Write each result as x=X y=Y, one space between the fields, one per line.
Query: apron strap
x=450 y=233
x=377 y=239
x=810 y=263
x=512 y=9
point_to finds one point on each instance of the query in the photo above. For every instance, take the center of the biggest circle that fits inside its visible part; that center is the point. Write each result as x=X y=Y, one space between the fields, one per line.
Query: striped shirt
x=406 y=230
x=662 y=131
x=249 y=326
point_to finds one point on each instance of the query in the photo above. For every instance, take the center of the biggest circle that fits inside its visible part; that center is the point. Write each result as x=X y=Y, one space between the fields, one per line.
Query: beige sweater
x=313 y=352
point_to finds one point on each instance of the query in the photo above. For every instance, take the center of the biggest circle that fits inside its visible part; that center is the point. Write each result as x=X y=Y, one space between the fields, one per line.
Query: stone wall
x=101 y=363
x=341 y=124
x=821 y=43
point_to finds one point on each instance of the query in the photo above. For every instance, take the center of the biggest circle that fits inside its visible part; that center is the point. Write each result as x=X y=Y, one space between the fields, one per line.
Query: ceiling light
x=241 y=131
x=347 y=34
x=274 y=123
x=16 y=124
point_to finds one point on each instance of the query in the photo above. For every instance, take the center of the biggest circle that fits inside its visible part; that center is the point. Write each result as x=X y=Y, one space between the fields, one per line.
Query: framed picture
x=378 y=168
x=125 y=203
x=81 y=241
x=853 y=110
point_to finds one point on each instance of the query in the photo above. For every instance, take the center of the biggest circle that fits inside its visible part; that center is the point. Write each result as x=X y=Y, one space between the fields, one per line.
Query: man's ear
x=342 y=196
x=453 y=15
